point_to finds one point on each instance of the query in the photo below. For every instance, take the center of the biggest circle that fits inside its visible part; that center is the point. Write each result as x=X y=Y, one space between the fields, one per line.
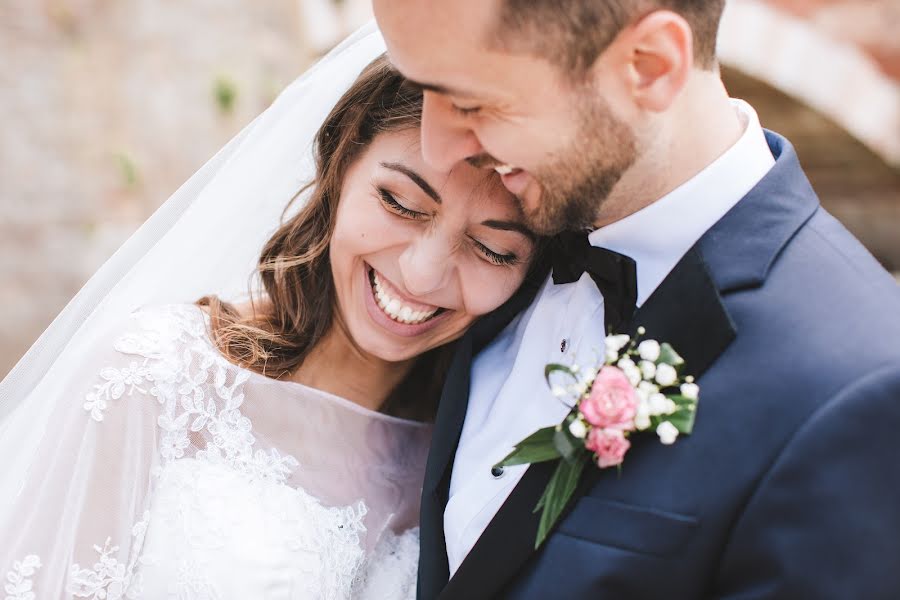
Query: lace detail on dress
x=209 y=478
x=110 y=579
x=392 y=570
x=19 y=585
x=117 y=381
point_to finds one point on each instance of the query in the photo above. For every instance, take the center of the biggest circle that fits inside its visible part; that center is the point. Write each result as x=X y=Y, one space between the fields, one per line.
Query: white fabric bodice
x=180 y=475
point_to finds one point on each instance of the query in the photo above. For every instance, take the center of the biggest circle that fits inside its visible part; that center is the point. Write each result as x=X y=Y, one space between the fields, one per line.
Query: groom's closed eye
x=465 y=111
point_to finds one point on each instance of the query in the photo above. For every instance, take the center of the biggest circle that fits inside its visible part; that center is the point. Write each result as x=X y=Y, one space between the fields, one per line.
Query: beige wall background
x=109 y=105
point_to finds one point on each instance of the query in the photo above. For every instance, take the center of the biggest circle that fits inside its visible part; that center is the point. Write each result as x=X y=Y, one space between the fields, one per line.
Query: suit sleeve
x=824 y=522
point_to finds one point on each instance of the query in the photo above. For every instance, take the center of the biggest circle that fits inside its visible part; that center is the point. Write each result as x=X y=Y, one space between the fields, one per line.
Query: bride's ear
x=657 y=56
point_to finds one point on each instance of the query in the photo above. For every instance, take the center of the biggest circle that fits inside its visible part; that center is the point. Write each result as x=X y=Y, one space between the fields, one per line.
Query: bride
x=273 y=448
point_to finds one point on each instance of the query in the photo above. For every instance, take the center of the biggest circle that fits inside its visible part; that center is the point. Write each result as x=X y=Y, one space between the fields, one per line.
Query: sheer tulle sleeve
x=78 y=456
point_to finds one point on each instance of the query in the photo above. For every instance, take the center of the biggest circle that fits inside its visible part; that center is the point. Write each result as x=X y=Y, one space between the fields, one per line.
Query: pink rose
x=610 y=446
x=612 y=402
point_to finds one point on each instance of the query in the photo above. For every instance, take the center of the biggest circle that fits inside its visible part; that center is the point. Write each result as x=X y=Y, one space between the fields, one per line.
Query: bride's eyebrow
x=510 y=226
x=416 y=178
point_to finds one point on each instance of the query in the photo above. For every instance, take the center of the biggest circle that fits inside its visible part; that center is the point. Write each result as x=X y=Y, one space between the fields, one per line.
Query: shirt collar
x=657 y=236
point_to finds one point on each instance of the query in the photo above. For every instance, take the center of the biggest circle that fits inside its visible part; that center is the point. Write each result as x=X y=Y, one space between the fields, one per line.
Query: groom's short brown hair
x=573 y=33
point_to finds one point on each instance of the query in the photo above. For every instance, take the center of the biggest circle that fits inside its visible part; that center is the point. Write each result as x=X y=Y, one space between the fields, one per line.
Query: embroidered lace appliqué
x=19 y=585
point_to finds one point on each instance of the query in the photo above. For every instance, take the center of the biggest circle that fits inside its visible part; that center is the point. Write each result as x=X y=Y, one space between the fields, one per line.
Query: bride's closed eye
x=496 y=258
x=393 y=205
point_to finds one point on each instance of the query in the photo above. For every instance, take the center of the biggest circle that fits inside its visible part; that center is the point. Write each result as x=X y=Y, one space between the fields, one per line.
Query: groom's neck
x=696 y=130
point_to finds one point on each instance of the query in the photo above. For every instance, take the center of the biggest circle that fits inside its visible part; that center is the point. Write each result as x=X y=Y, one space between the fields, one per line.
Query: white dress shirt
x=509 y=398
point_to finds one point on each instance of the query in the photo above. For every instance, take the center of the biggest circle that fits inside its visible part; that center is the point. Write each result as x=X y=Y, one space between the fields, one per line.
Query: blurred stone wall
x=108 y=106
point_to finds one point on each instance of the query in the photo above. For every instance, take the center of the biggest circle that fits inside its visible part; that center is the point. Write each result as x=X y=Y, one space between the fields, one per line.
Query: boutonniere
x=638 y=388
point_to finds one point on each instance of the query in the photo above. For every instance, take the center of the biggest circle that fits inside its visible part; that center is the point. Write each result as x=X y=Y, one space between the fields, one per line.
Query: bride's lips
x=377 y=314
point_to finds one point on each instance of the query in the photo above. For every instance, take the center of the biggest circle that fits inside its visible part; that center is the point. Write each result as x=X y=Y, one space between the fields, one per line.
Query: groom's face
x=560 y=145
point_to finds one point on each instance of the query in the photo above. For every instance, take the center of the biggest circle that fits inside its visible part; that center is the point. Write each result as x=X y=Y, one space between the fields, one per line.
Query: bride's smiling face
x=417 y=254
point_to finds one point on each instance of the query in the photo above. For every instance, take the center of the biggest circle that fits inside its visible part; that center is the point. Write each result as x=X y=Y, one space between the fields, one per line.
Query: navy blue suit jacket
x=789 y=486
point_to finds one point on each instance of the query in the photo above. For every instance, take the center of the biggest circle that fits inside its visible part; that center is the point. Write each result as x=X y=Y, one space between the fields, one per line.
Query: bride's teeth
x=395 y=308
x=504 y=169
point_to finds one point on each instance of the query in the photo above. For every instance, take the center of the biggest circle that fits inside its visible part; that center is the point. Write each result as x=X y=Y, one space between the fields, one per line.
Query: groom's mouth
x=514 y=179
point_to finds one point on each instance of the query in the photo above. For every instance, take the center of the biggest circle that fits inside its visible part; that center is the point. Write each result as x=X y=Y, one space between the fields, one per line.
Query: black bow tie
x=615 y=274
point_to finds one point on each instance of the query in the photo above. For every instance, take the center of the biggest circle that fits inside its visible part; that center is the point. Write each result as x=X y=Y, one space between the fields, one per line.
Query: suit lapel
x=687 y=312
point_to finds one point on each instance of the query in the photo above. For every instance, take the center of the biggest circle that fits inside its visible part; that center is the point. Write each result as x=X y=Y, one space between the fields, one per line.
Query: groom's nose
x=446 y=137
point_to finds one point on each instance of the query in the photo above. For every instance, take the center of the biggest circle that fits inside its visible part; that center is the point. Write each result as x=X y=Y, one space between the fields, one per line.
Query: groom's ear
x=656 y=57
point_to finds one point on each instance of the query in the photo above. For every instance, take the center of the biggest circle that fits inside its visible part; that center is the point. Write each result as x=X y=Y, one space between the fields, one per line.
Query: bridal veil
x=205 y=239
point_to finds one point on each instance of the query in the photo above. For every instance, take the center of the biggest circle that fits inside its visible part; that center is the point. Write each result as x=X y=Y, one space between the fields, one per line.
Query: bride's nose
x=426 y=265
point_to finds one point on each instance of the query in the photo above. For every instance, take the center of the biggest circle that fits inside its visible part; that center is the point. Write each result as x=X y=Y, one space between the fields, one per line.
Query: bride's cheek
x=493 y=287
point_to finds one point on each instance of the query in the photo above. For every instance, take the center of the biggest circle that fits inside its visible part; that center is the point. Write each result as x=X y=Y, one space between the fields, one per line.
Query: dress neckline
x=298 y=387
x=340 y=400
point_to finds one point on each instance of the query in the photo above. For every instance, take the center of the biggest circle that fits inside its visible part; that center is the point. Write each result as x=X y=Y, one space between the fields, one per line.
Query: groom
x=609 y=117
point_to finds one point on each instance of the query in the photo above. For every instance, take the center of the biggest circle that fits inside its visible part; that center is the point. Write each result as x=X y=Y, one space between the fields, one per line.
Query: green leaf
x=668 y=356
x=567 y=444
x=682 y=419
x=682 y=401
x=537 y=447
x=557 y=368
x=557 y=494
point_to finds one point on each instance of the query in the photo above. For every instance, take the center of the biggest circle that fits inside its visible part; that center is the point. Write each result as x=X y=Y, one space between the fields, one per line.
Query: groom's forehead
x=444 y=46
x=468 y=22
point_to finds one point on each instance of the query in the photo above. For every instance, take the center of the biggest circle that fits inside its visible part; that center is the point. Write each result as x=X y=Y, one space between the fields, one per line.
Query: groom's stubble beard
x=575 y=185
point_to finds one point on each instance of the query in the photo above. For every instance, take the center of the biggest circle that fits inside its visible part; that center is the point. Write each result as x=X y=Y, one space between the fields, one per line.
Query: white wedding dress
x=169 y=472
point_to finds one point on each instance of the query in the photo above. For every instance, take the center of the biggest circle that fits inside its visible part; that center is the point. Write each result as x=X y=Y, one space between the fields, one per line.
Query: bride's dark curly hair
x=298 y=309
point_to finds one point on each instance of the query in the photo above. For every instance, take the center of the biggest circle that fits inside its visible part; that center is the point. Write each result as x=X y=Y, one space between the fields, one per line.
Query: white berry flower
x=648 y=388
x=578 y=429
x=643 y=408
x=666 y=375
x=642 y=422
x=690 y=390
x=671 y=407
x=633 y=374
x=625 y=363
x=649 y=350
x=667 y=432
x=648 y=369
x=617 y=342
x=657 y=404
x=612 y=355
